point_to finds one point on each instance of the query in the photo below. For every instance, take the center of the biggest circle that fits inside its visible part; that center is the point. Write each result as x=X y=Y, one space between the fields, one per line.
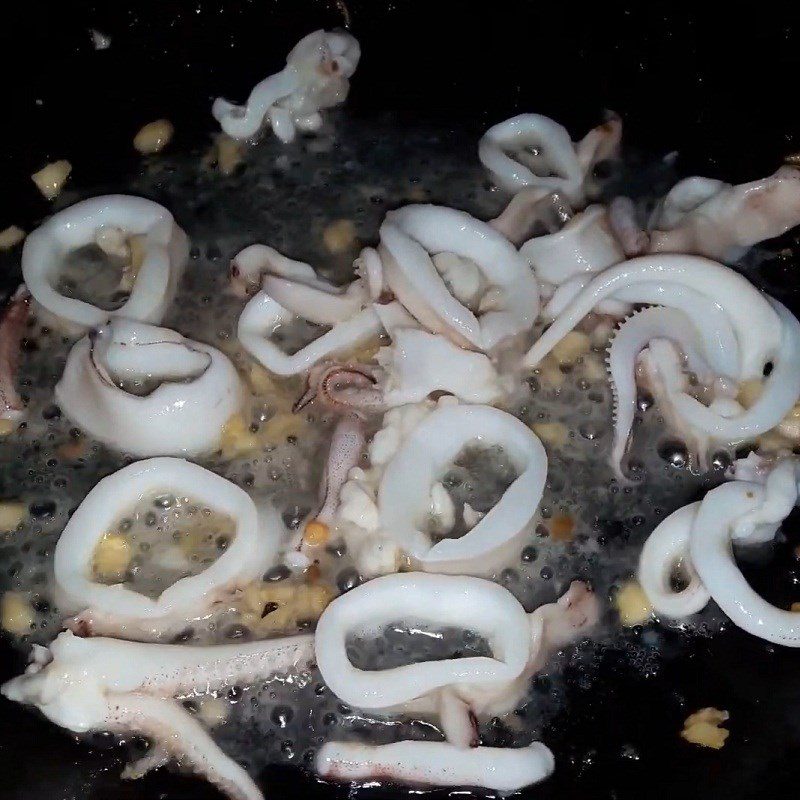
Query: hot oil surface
x=285 y=197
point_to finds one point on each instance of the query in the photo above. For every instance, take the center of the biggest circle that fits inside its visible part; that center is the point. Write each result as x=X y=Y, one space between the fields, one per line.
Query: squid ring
x=165 y=252
x=403 y=495
x=485 y=607
x=184 y=415
x=410 y=234
x=251 y=551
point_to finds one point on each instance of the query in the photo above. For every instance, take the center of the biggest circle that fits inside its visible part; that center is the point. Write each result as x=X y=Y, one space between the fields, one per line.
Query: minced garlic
x=51 y=178
x=703 y=728
x=632 y=604
x=12 y=513
x=11 y=237
x=112 y=556
x=154 y=137
x=237 y=439
x=339 y=236
x=17 y=613
x=554 y=434
x=574 y=345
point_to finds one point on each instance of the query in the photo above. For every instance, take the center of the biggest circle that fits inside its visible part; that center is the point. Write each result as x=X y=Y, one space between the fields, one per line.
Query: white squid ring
x=165 y=252
x=184 y=415
x=410 y=234
x=484 y=607
x=251 y=551
x=404 y=492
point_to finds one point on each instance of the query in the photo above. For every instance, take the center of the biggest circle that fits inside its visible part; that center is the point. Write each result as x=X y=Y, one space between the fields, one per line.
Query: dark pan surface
x=719 y=89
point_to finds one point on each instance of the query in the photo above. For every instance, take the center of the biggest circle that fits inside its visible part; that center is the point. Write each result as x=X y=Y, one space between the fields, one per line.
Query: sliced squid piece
x=128 y=687
x=457 y=691
x=437 y=764
x=667 y=549
x=295 y=285
x=664 y=279
x=404 y=492
x=197 y=391
x=584 y=244
x=635 y=334
x=443 y=600
x=531 y=150
x=264 y=315
x=165 y=250
x=780 y=393
x=532 y=211
x=622 y=221
x=411 y=234
x=252 y=550
x=316 y=77
x=714 y=219
x=700 y=536
x=12 y=326
x=418 y=363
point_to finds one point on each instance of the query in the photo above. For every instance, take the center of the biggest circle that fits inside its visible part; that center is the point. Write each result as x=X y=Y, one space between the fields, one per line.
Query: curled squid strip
x=12 y=326
x=700 y=538
x=164 y=253
x=404 y=492
x=531 y=150
x=506 y=306
x=734 y=334
x=316 y=77
x=264 y=315
x=437 y=764
x=715 y=219
x=666 y=549
x=673 y=280
x=780 y=393
x=291 y=290
x=295 y=285
x=252 y=550
x=635 y=334
x=128 y=687
x=105 y=390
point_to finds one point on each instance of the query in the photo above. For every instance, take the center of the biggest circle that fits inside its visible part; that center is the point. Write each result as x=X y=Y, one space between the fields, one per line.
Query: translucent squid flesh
x=252 y=550
x=531 y=150
x=110 y=685
x=165 y=251
x=12 y=327
x=410 y=234
x=715 y=219
x=183 y=415
x=316 y=77
x=404 y=492
x=455 y=690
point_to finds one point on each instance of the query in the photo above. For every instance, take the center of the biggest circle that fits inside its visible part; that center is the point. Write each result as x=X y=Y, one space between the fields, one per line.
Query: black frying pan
x=717 y=86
